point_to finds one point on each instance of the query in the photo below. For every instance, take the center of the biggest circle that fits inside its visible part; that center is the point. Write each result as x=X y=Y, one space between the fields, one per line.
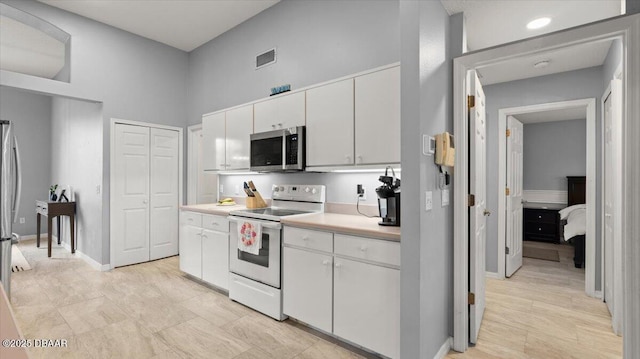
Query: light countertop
x=213 y=208
x=344 y=223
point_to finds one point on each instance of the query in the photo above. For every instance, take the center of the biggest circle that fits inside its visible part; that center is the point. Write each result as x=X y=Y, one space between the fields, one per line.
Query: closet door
x=163 y=197
x=130 y=222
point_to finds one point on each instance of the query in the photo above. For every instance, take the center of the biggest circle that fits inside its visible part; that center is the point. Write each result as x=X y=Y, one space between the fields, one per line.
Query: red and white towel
x=250 y=237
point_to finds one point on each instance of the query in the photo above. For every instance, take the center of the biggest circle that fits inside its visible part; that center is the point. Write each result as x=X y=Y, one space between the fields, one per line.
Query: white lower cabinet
x=366 y=305
x=345 y=285
x=204 y=247
x=215 y=258
x=307 y=287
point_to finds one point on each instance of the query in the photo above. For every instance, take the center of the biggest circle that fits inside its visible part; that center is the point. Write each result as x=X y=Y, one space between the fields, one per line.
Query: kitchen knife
x=247 y=190
x=252 y=186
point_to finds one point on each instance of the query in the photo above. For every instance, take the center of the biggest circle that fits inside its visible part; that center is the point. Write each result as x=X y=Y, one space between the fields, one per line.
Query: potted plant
x=52 y=192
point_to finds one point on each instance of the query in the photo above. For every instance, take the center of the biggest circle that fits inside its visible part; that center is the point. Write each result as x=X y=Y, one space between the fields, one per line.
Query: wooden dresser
x=541 y=224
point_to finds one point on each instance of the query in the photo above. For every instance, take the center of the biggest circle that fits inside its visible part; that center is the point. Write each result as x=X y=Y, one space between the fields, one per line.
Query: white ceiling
x=493 y=22
x=565 y=59
x=566 y=114
x=183 y=24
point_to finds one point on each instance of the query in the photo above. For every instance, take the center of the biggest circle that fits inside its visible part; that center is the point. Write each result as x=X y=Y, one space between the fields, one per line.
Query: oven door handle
x=264 y=224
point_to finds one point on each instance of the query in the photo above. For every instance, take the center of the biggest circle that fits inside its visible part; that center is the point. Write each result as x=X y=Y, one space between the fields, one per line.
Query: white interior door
x=163 y=199
x=612 y=200
x=513 y=251
x=130 y=230
x=478 y=212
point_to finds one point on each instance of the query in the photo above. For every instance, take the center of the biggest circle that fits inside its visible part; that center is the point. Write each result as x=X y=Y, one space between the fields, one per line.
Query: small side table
x=56 y=209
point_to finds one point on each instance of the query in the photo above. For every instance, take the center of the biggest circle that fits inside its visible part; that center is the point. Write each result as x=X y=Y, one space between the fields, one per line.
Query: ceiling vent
x=266 y=58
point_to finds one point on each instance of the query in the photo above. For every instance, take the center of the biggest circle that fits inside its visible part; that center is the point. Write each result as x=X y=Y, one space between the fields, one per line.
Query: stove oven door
x=264 y=267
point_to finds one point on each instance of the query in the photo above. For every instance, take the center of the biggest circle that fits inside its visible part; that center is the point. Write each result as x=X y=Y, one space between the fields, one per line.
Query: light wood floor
x=144 y=311
x=542 y=312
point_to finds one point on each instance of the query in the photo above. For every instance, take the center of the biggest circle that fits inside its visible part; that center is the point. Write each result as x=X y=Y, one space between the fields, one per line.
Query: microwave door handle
x=18 y=193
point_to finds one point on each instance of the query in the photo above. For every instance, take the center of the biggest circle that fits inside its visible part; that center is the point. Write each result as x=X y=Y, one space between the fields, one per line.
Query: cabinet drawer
x=305 y=238
x=215 y=223
x=191 y=218
x=375 y=250
x=541 y=228
x=541 y=216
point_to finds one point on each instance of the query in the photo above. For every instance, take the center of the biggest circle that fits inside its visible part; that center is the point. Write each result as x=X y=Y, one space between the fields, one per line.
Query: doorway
x=627 y=29
x=545 y=200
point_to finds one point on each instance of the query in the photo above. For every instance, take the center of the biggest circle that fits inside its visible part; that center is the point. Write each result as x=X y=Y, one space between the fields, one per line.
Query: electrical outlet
x=21 y=220
x=221 y=188
x=237 y=191
x=362 y=192
x=428 y=201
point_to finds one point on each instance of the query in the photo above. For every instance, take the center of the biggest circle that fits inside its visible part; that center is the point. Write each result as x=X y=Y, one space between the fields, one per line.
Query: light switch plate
x=445 y=197
x=428 y=201
x=428 y=145
x=221 y=188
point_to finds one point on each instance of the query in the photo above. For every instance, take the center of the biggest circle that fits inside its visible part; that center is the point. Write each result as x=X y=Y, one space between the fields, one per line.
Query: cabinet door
x=330 y=124
x=377 y=117
x=213 y=144
x=280 y=112
x=306 y=287
x=239 y=124
x=191 y=250
x=215 y=258
x=367 y=306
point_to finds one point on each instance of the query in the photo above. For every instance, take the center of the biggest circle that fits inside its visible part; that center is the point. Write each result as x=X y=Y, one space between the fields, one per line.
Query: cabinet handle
x=280 y=125
x=204 y=236
x=347 y=158
x=359 y=157
x=273 y=126
x=539 y=217
x=363 y=249
x=190 y=219
x=305 y=238
x=539 y=229
x=338 y=265
x=325 y=262
x=215 y=224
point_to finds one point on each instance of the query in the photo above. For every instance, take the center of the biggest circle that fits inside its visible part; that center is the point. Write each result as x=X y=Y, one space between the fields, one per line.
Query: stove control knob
x=281 y=188
x=307 y=189
x=276 y=189
x=314 y=191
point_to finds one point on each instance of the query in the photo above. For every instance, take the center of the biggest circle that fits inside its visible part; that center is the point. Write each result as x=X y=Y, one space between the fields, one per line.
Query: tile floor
x=149 y=310
x=542 y=312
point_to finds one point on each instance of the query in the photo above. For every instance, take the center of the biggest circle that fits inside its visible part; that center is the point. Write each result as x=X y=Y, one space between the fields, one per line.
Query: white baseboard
x=444 y=349
x=90 y=261
x=543 y=196
x=598 y=294
x=494 y=275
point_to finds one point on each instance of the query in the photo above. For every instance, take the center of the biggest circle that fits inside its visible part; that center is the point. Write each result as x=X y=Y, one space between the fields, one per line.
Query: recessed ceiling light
x=538 y=23
x=541 y=64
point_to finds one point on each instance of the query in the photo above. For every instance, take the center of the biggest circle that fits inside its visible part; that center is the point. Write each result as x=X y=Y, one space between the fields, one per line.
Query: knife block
x=256 y=202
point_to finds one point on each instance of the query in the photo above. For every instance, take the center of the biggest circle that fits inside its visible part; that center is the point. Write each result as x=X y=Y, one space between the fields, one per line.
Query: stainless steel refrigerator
x=10 y=183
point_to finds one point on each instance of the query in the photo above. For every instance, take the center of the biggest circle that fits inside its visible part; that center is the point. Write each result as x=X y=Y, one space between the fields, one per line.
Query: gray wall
x=135 y=78
x=341 y=187
x=427 y=245
x=31 y=114
x=316 y=41
x=553 y=151
x=573 y=85
x=77 y=162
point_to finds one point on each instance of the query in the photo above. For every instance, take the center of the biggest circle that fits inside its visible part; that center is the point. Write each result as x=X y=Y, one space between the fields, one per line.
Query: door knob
x=144 y=201
x=486 y=213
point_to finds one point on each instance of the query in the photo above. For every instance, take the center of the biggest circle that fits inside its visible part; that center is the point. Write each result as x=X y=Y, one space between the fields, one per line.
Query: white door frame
x=625 y=28
x=112 y=179
x=192 y=180
x=590 y=244
x=618 y=282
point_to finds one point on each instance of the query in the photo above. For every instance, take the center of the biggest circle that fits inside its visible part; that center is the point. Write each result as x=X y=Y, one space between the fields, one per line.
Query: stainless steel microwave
x=278 y=151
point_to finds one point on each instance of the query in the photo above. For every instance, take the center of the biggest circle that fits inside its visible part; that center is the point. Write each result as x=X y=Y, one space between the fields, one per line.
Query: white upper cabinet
x=280 y=112
x=239 y=128
x=213 y=144
x=330 y=124
x=377 y=117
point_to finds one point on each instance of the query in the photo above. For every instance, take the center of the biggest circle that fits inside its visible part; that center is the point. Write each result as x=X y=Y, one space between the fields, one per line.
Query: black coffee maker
x=389 y=199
